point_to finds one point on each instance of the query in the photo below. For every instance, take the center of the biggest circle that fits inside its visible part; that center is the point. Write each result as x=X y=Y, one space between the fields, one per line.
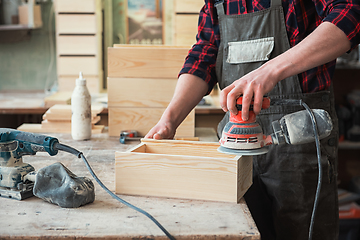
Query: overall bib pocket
x=250 y=51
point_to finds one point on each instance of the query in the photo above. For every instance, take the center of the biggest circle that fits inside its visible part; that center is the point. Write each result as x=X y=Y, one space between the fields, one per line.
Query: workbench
x=106 y=218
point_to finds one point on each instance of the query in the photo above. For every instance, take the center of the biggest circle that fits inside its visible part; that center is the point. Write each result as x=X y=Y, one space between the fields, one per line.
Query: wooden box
x=182 y=169
x=136 y=61
x=141 y=84
x=140 y=92
x=143 y=119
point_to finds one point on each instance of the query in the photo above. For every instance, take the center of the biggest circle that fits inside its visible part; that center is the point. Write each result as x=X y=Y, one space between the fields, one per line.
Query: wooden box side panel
x=176 y=176
x=141 y=148
x=186 y=148
x=143 y=119
x=144 y=62
x=245 y=176
x=140 y=92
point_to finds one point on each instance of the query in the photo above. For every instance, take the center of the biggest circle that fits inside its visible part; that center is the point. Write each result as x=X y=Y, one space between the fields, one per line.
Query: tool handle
x=29 y=143
x=123 y=139
x=265 y=103
x=128 y=135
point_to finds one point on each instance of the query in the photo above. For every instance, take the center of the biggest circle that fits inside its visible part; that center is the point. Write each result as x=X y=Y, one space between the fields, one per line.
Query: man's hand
x=309 y=53
x=162 y=130
x=252 y=86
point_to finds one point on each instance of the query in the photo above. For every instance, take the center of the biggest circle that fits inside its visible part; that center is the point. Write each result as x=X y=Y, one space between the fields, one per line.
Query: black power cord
x=75 y=152
x=318 y=151
x=317 y=142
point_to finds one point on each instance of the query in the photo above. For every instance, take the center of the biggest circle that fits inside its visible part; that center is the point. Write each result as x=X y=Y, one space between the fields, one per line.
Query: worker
x=281 y=49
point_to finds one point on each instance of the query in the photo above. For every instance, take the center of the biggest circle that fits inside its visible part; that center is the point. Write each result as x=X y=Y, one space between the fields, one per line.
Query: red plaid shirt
x=302 y=17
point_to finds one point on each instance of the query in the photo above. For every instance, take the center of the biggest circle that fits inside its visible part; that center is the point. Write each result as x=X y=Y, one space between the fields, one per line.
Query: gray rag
x=57 y=184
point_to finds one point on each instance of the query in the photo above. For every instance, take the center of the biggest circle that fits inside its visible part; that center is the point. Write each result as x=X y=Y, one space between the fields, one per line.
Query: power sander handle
x=265 y=104
x=28 y=143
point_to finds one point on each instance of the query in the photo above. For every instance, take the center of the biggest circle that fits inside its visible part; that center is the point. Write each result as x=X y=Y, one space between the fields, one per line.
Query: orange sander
x=241 y=137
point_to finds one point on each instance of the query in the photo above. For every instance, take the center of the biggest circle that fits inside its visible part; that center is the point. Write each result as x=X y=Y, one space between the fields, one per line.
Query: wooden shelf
x=14 y=27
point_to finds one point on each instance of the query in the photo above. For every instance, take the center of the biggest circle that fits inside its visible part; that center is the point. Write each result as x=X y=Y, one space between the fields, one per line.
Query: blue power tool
x=14 y=173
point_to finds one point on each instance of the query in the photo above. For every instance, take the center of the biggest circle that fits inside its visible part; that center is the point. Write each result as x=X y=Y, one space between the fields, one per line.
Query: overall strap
x=219 y=4
x=276 y=3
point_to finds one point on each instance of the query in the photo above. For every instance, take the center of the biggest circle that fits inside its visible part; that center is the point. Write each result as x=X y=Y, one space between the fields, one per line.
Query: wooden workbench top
x=29 y=102
x=106 y=218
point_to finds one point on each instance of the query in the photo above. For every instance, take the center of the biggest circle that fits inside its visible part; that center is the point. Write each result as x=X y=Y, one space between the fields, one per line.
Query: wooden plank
x=30 y=127
x=97 y=129
x=145 y=61
x=76 y=24
x=58 y=98
x=63 y=124
x=51 y=120
x=73 y=6
x=188 y=148
x=58 y=125
x=37 y=128
x=143 y=119
x=188 y=6
x=63 y=112
x=187 y=138
x=140 y=92
x=185 y=29
x=72 y=65
x=67 y=83
x=77 y=45
x=170 y=170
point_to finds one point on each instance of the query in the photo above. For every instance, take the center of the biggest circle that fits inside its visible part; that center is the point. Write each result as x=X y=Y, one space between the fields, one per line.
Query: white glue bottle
x=81 y=111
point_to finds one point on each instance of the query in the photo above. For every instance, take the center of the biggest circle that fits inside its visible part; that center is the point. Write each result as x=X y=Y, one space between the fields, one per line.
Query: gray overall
x=285 y=179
